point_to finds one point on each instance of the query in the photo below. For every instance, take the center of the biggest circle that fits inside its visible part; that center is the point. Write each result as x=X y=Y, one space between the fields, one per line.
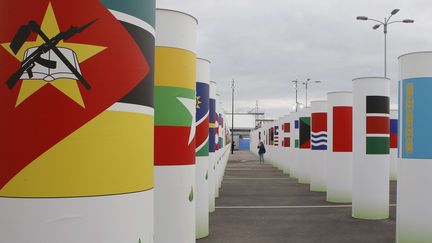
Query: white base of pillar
x=174 y=204
x=108 y=219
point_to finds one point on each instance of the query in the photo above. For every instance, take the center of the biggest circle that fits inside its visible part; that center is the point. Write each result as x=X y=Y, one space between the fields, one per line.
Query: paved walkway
x=259 y=204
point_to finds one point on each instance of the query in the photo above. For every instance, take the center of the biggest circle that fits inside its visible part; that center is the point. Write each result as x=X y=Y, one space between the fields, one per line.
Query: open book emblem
x=47 y=73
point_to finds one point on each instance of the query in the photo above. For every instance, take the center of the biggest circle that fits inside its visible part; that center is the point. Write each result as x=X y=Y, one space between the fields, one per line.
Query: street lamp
x=296 y=89
x=385 y=24
x=306 y=84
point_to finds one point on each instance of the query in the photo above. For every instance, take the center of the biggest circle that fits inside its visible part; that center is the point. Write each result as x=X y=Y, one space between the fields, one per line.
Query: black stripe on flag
x=142 y=94
x=378 y=104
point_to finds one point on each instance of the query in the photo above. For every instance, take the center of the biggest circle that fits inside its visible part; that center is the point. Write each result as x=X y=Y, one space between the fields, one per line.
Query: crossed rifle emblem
x=30 y=61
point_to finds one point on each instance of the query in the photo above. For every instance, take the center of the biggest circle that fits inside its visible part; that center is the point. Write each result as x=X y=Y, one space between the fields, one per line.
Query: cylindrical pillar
x=175 y=86
x=318 y=146
x=76 y=154
x=414 y=221
x=286 y=144
x=339 y=147
x=294 y=171
x=202 y=147
x=304 y=145
x=217 y=145
x=394 y=158
x=212 y=147
x=371 y=160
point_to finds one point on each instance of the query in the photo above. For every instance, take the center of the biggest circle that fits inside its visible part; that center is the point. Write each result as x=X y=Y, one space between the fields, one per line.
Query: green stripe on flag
x=169 y=111
x=377 y=145
x=296 y=143
x=204 y=151
x=144 y=10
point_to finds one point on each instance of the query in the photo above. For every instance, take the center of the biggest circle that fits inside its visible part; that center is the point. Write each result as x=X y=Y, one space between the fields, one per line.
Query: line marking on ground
x=257 y=178
x=289 y=207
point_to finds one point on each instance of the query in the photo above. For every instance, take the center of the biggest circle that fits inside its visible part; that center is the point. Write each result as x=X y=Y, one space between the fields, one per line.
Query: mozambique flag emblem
x=60 y=68
x=377 y=124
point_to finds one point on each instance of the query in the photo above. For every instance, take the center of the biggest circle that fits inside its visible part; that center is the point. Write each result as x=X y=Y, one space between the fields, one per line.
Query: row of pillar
x=126 y=144
x=348 y=146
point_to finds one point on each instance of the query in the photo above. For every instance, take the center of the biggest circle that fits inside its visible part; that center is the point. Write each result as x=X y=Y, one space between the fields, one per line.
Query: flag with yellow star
x=202 y=118
x=76 y=97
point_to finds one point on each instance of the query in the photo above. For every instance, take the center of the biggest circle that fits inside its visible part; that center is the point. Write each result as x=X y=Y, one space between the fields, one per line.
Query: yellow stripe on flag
x=212 y=125
x=181 y=65
x=112 y=154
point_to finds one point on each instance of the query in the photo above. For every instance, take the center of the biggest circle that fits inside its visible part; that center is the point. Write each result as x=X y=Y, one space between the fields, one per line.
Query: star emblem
x=68 y=87
x=198 y=102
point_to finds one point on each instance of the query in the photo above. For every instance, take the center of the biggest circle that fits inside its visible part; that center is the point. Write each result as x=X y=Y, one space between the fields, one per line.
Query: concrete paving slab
x=257 y=203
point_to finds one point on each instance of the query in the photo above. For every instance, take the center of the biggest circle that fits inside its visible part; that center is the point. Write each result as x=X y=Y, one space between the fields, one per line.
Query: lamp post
x=385 y=25
x=306 y=84
x=296 y=90
x=232 y=116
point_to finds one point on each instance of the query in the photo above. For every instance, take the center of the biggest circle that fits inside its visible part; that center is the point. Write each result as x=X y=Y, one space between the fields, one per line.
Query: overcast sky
x=264 y=45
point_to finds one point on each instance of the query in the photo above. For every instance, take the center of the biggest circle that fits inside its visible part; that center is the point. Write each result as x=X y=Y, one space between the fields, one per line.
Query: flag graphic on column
x=319 y=131
x=377 y=124
x=212 y=125
x=221 y=142
x=202 y=119
x=216 y=118
x=287 y=131
x=276 y=136
x=55 y=96
x=393 y=133
x=305 y=135
x=342 y=129
x=296 y=126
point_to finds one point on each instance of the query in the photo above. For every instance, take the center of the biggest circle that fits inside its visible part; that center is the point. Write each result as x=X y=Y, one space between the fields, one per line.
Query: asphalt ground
x=258 y=203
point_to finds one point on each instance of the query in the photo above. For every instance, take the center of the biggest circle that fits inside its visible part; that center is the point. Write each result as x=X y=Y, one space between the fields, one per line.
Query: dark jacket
x=261 y=148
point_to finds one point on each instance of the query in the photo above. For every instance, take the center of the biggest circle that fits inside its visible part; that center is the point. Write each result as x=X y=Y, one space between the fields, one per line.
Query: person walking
x=261 y=151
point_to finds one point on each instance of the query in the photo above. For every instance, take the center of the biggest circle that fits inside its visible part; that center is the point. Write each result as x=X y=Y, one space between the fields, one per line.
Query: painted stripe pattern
x=305 y=132
x=276 y=136
x=175 y=107
x=296 y=126
x=202 y=118
x=377 y=125
x=319 y=131
x=342 y=129
x=212 y=125
x=394 y=133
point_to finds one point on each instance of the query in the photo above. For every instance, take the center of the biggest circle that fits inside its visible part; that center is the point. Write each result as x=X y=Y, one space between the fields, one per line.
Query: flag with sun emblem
x=65 y=110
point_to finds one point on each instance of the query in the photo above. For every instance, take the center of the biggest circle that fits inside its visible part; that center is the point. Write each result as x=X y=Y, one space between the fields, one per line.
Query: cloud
x=264 y=45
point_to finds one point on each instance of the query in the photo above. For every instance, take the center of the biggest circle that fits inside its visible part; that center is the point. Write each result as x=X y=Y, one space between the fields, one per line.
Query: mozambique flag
x=175 y=107
x=71 y=124
x=202 y=119
x=305 y=132
x=342 y=129
x=377 y=124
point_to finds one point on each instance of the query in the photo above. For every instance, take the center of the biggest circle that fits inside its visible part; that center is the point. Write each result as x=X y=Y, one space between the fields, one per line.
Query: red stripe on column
x=377 y=125
x=342 y=129
x=171 y=146
x=393 y=140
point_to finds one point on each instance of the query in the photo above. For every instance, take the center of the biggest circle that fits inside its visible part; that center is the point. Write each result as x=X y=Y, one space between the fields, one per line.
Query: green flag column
x=175 y=107
x=414 y=209
x=371 y=164
x=76 y=154
x=202 y=147
x=339 y=152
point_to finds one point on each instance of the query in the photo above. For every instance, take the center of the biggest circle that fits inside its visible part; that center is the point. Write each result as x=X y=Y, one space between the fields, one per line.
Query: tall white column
x=371 y=164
